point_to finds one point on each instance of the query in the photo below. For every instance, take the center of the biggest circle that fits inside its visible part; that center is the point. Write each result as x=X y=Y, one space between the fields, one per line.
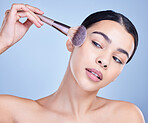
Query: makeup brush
x=76 y=34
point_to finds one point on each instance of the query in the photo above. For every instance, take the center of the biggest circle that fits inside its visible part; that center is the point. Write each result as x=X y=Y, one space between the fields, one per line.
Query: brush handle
x=57 y=25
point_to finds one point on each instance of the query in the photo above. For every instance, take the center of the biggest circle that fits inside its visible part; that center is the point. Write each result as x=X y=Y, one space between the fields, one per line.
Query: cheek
x=114 y=72
x=80 y=59
x=76 y=61
x=110 y=76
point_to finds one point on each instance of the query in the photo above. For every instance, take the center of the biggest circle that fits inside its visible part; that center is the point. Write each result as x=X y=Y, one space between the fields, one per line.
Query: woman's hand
x=12 y=30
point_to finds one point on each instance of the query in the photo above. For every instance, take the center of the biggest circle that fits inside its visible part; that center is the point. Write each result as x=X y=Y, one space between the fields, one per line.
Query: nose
x=103 y=62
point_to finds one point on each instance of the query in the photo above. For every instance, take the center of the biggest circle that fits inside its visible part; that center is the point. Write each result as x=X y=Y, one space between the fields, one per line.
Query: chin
x=87 y=85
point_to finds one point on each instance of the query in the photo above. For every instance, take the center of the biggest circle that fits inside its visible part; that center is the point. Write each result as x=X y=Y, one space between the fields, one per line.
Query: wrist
x=3 y=45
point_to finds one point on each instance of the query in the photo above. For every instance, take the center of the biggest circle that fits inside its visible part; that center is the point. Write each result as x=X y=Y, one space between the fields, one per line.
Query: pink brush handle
x=59 y=26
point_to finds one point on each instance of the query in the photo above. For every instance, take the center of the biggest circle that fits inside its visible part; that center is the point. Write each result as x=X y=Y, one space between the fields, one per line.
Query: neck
x=73 y=99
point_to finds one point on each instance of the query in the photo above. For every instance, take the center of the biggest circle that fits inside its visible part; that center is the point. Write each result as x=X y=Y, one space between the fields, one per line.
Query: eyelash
x=115 y=58
x=96 y=44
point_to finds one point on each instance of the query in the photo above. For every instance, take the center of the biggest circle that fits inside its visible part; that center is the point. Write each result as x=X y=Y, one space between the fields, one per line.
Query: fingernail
x=41 y=11
x=41 y=22
x=39 y=25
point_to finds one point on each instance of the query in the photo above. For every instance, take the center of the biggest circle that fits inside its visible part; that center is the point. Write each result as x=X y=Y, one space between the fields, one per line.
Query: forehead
x=116 y=33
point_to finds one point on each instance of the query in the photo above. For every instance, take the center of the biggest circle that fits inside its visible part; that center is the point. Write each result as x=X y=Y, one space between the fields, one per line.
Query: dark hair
x=117 y=17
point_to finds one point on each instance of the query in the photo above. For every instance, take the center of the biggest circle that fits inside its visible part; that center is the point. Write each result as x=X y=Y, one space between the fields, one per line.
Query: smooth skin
x=75 y=101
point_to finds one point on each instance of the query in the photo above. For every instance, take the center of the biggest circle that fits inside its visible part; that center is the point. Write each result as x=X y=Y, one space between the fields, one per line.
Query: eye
x=97 y=44
x=117 y=60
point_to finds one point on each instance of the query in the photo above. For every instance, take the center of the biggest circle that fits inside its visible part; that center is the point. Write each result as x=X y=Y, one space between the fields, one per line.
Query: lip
x=96 y=72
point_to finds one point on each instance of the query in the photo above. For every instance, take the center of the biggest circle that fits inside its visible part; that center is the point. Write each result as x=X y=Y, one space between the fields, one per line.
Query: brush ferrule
x=61 y=27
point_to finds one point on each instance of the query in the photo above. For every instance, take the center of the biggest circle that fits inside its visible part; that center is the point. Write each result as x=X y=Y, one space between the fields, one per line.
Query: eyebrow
x=109 y=41
x=104 y=35
x=123 y=51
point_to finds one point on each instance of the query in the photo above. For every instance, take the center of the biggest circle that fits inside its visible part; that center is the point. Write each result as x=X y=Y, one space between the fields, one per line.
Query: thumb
x=27 y=24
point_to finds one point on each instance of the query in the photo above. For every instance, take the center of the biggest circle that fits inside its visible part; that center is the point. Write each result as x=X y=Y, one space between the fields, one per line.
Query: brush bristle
x=79 y=36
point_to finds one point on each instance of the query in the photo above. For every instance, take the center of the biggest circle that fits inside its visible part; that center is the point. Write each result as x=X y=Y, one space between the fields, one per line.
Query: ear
x=69 y=45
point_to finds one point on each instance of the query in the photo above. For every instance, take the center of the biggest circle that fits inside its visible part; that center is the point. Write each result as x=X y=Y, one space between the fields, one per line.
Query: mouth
x=94 y=74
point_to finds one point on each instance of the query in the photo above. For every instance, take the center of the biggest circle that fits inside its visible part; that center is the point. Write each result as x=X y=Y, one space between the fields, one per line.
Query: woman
x=110 y=43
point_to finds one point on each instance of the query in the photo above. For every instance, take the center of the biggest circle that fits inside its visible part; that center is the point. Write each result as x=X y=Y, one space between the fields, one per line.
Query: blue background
x=34 y=67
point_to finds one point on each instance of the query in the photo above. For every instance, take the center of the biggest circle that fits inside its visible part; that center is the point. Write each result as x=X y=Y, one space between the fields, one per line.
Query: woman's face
x=106 y=49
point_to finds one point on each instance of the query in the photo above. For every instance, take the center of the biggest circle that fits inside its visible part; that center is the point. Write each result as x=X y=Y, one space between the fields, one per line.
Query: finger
x=33 y=14
x=4 y=20
x=27 y=24
x=29 y=16
x=7 y=12
x=6 y=15
x=14 y=9
x=36 y=17
x=34 y=9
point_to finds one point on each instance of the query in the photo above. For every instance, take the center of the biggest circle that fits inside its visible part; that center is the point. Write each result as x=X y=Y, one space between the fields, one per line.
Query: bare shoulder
x=121 y=111
x=11 y=105
x=127 y=112
x=10 y=101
